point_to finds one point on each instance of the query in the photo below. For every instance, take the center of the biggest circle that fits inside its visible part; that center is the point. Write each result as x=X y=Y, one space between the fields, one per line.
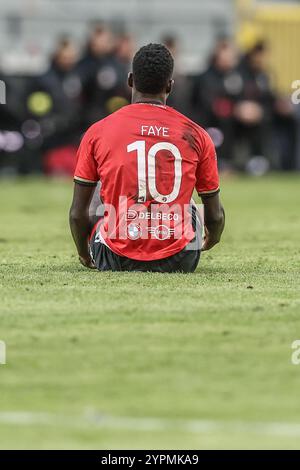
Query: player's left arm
x=207 y=186
x=80 y=224
x=214 y=220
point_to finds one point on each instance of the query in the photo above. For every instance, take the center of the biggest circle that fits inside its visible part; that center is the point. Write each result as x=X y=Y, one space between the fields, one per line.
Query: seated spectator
x=102 y=77
x=214 y=95
x=125 y=47
x=254 y=110
x=53 y=101
x=179 y=98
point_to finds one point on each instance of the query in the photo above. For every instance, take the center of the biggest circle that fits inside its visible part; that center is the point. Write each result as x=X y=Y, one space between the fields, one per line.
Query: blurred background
x=64 y=63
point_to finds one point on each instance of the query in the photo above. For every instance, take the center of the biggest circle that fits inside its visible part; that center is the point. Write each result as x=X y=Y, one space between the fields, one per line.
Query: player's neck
x=147 y=98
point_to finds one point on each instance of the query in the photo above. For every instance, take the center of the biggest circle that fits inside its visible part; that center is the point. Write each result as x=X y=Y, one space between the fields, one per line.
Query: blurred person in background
x=179 y=99
x=53 y=103
x=214 y=95
x=102 y=76
x=254 y=110
x=10 y=109
x=285 y=133
x=99 y=47
x=124 y=50
x=266 y=122
x=13 y=158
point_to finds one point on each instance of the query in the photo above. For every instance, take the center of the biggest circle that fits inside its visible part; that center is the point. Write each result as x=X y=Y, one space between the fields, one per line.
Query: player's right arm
x=207 y=186
x=79 y=220
x=85 y=180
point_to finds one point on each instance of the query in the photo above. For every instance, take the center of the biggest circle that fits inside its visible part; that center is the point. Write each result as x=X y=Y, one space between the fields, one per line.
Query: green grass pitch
x=131 y=360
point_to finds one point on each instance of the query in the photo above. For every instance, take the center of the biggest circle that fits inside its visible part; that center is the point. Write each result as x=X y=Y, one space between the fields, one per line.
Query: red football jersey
x=148 y=158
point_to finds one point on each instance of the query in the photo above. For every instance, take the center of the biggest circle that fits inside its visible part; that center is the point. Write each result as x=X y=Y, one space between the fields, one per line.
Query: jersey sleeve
x=86 y=167
x=207 y=176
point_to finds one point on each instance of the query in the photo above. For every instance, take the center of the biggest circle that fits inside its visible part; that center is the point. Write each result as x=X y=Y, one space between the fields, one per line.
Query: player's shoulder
x=108 y=120
x=95 y=130
x=197 y=130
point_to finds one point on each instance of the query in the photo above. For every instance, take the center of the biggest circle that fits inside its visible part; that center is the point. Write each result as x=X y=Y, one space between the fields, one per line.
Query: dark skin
x=214 y=221
x=81 y=224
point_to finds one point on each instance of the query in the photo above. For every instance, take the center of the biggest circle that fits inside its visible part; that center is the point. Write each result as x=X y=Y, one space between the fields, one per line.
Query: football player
x=148 y=158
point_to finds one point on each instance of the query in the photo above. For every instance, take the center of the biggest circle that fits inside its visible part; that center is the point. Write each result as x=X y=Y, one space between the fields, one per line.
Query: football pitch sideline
x=138 y=360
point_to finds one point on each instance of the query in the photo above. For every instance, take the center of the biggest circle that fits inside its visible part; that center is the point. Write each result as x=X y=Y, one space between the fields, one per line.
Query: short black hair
x=152 y=68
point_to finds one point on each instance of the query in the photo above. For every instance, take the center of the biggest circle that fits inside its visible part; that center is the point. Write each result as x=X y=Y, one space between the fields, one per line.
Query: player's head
x=152 y=70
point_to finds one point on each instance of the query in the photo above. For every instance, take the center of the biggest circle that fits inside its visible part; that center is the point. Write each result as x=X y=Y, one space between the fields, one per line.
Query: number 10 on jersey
x=142 y=159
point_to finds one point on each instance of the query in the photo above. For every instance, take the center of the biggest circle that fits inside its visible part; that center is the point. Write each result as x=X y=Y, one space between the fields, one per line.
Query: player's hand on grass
x=87 y=262
x=209 y=241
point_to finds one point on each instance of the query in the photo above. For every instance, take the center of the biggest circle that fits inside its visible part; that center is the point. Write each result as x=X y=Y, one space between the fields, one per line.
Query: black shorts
x=185 y=261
